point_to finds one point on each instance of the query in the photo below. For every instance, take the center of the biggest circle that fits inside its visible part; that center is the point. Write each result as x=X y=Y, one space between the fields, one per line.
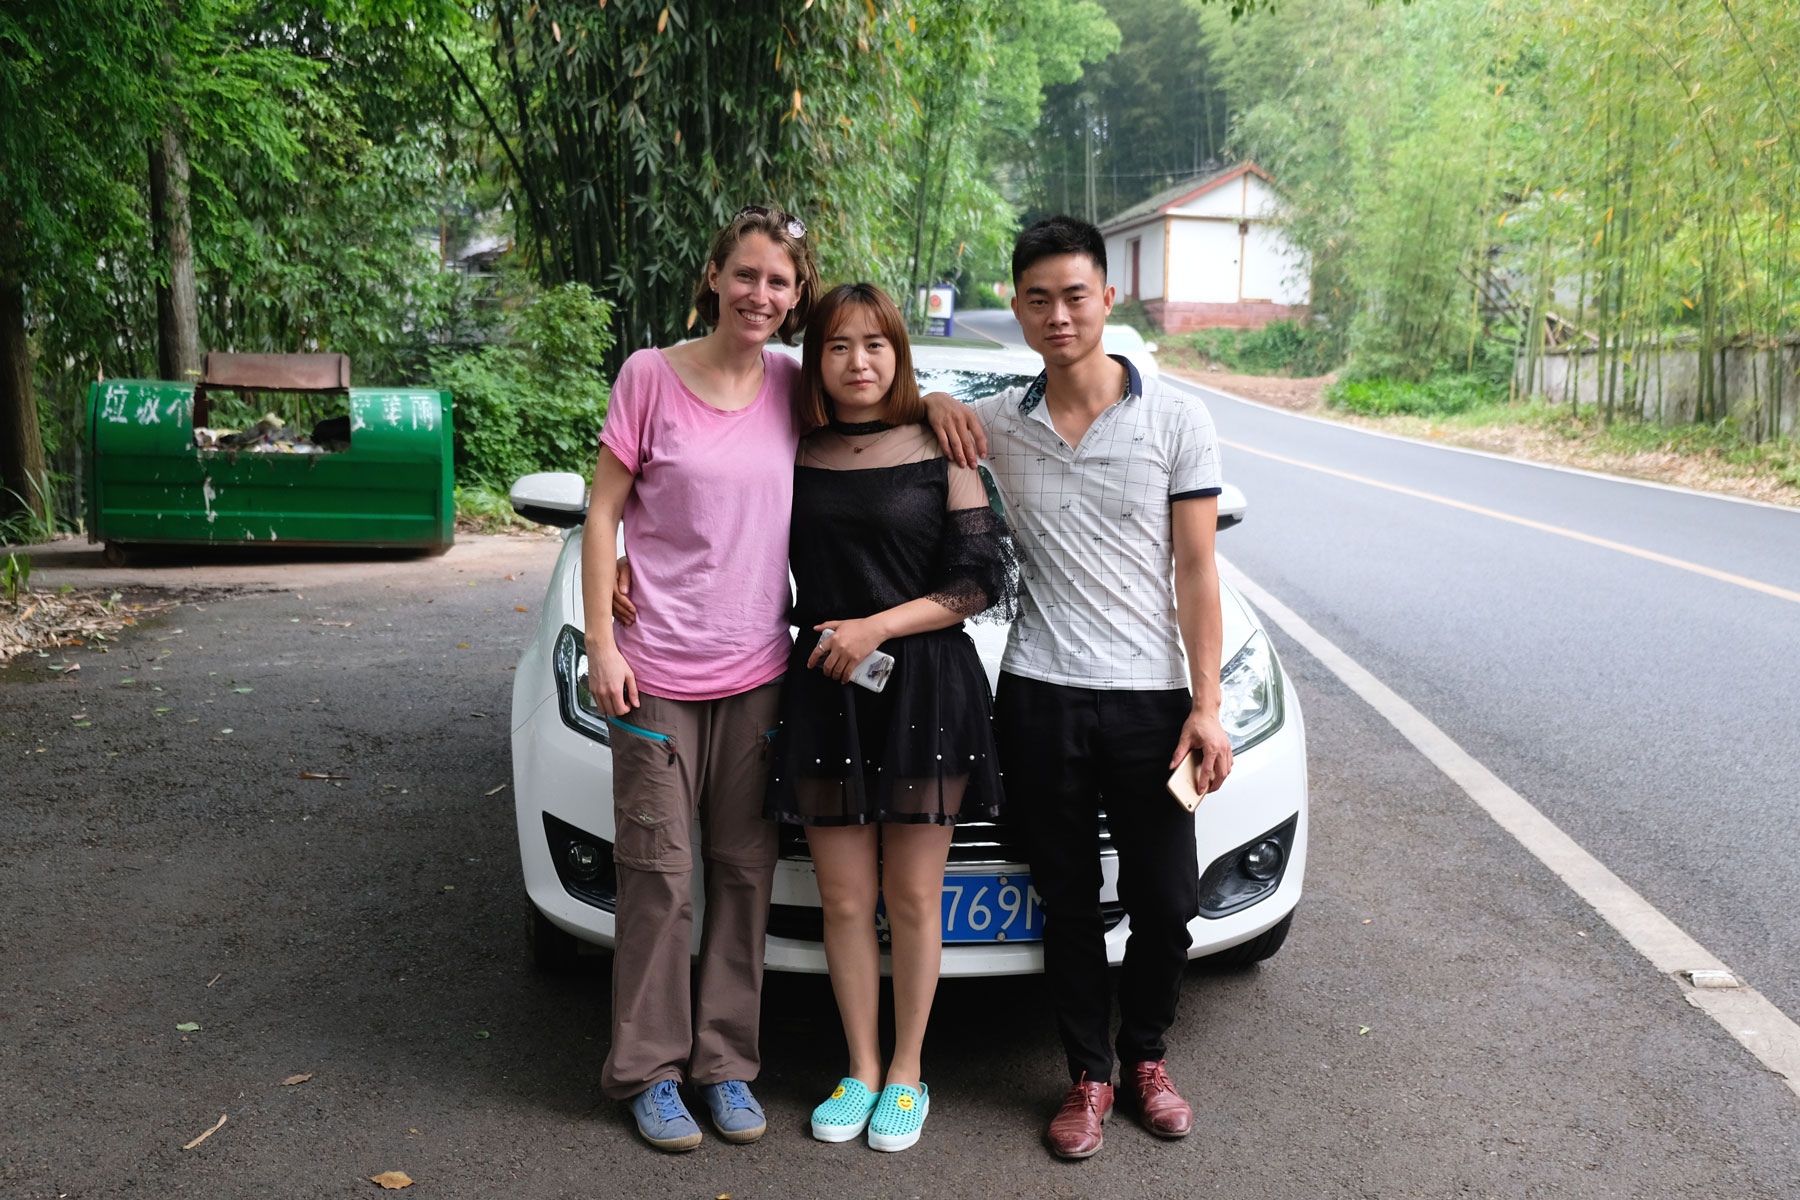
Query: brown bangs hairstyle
x=901 y=405
x=772 y=223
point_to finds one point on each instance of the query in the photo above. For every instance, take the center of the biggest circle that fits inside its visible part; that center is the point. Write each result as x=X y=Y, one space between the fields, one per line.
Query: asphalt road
x=1447 y=1019
x=1649 y=710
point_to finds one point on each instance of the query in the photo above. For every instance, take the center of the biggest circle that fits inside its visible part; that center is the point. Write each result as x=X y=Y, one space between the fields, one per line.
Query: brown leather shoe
x=1159 y=1107
x=1075 y=1130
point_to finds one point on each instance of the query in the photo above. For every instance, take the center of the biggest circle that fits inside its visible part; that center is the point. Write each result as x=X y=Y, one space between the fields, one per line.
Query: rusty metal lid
x=278 y=372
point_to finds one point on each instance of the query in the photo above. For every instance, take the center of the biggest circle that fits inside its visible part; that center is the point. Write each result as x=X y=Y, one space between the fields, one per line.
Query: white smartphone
x=873 y=671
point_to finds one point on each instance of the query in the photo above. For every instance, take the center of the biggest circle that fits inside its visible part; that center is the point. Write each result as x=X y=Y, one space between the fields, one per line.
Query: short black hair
x=1057 y=235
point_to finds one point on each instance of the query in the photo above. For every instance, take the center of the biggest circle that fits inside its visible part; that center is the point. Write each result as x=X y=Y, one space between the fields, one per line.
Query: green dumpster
x=377 y=475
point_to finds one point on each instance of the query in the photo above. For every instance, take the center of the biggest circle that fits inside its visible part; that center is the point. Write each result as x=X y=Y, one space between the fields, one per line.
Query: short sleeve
x=979 y=562
x=1194 y=467
x=627 y=412
x=784 y=380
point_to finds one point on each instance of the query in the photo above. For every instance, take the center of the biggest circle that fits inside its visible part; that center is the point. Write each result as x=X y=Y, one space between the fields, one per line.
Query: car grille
x=974 y=843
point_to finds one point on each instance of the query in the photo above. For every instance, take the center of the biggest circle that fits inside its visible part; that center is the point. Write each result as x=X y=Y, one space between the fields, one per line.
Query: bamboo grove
x=630 y=130
x=1605 y=186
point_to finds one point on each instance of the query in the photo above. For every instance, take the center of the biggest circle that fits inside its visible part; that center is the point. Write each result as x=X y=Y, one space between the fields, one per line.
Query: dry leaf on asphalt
x=291 y=1080
x=321 y=775
x=207 y=1134
x=392 y=1179
x=495 y=791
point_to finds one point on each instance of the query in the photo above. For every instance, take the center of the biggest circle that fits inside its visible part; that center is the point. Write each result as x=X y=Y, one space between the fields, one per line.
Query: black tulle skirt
x=920 y=751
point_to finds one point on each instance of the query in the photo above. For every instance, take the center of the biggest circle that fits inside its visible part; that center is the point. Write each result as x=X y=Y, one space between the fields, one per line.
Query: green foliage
x=15 y=577
x=536 y=402
x=1281 y=347
x=488 y=509
x=1441 y=395
x=1135 y=122
x=28 y=523
x=630 y=132
x=1466 y=171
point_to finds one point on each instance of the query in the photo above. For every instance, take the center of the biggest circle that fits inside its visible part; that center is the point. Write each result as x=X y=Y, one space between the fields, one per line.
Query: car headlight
x=573 y=697
x=1251 y=708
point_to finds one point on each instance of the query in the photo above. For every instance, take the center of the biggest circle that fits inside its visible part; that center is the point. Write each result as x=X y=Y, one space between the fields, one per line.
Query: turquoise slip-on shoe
x=899 y=1116
x=845 y=1113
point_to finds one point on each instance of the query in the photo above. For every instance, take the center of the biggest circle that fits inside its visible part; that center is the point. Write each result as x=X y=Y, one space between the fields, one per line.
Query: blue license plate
x=992 y=908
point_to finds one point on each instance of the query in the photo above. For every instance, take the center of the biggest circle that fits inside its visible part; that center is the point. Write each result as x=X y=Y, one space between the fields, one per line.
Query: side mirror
x=551 y=498
x=1232 y=506
x=1150 y=346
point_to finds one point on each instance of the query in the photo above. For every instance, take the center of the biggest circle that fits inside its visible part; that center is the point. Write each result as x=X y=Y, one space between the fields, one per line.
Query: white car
x=1123 y=339
x=1252 y=833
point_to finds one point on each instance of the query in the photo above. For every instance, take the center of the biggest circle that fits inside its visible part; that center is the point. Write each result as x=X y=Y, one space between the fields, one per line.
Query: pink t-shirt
x=706 y=527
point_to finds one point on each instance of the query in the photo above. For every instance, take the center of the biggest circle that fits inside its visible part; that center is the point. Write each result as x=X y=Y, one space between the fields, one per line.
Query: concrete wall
x=1150 y=259
x=1203 y=261
x=1274 y=268
x=1669 y=382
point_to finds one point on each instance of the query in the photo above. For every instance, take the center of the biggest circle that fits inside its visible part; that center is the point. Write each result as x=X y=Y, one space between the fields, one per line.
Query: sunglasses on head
x=794 y=225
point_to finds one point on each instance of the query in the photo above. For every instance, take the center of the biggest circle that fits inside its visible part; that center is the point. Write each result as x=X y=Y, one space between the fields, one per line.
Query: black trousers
x=1065 y=753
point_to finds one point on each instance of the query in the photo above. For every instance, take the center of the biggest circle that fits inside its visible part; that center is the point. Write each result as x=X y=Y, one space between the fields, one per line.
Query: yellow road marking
x=1755 y=585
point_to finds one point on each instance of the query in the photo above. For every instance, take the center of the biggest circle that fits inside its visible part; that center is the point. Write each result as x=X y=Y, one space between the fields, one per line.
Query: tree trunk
x=22 y=473
x=172 y=228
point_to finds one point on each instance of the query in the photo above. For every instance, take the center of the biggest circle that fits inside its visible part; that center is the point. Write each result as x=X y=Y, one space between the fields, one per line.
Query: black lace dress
x=870 y=531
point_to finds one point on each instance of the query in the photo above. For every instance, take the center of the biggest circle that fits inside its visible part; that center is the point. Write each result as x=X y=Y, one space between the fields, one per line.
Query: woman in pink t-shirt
x=697 y=459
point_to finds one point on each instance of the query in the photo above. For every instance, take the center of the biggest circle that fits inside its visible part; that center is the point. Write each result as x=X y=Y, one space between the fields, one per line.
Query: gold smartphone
x=1182 y=786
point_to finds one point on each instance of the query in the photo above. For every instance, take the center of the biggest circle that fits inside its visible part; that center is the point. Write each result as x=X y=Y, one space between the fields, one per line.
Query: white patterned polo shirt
x=1094 y=528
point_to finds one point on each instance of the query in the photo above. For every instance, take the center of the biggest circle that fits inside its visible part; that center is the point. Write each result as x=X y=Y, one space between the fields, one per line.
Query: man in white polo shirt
x=1111 y=485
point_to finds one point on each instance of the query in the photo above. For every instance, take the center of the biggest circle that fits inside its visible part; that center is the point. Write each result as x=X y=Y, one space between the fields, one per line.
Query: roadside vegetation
x=1587 y=206
x=1509 y=209
x=504 y=201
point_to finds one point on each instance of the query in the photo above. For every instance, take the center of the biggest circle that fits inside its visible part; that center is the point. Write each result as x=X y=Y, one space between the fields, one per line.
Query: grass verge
x=484 y=509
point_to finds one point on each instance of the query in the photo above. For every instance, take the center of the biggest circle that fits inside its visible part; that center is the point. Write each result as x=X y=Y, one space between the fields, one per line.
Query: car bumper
x=569 y=776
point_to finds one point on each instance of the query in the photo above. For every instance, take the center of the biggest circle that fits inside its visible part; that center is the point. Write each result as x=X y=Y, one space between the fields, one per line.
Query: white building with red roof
x=1210 y=253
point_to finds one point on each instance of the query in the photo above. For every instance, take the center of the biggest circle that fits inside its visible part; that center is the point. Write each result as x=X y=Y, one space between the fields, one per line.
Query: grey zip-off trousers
x=675 y=761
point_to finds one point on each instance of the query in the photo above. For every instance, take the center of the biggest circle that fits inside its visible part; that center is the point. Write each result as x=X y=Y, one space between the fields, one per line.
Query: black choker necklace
x=857 y=428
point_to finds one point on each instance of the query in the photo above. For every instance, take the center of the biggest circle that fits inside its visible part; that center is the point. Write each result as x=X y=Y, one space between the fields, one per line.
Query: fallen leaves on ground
x=207 y=1134
x=188 y=1027
x=41 y=620
x=291 y=1080
x=321 y=775
x=392 y=1179
x=495 y=791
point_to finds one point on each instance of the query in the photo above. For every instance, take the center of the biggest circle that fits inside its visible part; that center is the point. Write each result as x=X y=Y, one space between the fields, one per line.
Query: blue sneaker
x=845 y=1113
x=735 y=1113
x=899 y=1116
x=663 y=1119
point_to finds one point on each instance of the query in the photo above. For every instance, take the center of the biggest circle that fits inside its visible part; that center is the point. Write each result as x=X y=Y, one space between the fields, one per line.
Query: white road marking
x=1192 y=386
x=1758 y=1025
x=1680 y=564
